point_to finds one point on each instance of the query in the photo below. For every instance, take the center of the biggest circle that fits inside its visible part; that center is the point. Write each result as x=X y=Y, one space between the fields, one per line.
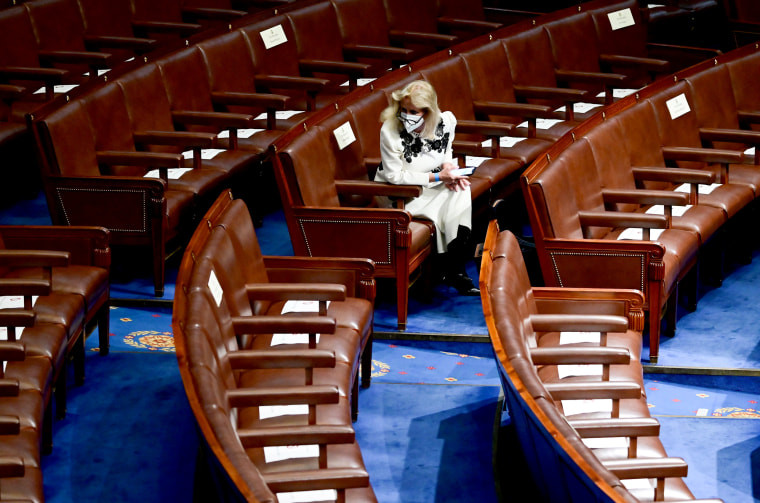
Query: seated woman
x=416 y=148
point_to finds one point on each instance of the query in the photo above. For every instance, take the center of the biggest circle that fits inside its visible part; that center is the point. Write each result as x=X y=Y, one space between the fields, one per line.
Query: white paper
x=677 y=211
x=618 y=93
x=280 y=339
x=206 y=153
x=637 y=234
x=359 y=82
x=241 y=133
x=171 y=173
x=216 y=288
x=580 y=107
x=542 y=123
x=274 y=36
x=606 y=443
x=269 y=411
x=462 y=171
x=678 y=106
x=344 y=135
x=579 y=337
x=574 y=407
x=280 y=114
x=621 y=19
x=701 y=189
x=579 y=369
x=750 y=151
x=504 y=141
x=470 y=160
x=308 y=496
x=61 y=88
x=281 y=452
x=302 y=306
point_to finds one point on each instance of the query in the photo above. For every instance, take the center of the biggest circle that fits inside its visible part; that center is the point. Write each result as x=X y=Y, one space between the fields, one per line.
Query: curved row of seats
x=568 y=359
x=269 y=349
x=508 y=113
x=666 y=179
x=54 y=288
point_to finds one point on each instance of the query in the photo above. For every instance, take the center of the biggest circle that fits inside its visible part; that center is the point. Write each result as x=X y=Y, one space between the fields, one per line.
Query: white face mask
x=411 y=122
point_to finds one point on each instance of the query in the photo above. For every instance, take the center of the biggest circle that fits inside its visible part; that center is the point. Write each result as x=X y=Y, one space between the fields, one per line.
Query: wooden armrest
x=249 y=359
x=339 y=67
x=751 y=117
x=476 y=25
x=176 y=138
x=647 y=468
x=217 y=119
x=521 y=109
x=264 y=100
x=645 y=197
x=368 y=188
x=590 y=77
x=320 y=434
x=651 y=64
x=145 y=159
x=291 y=82
x=12 y=466
x=295 y=291
x=26 y=287
x=578 y=323
x=314 y=394
x=730 y=135
x=136 y=44
x=709 y=155
x=674 y=175
x=12 y=351
x=378 y=51
x=11 y=92
x=9 y=387
x=616 y=427
x=622 y=219
x=581 y=390
x=550 y=93
x=485 y=128
x=166 y=27
x=580 y=355
x=438 y=40
x=98 y=59
x=33 y=258
x=47 y=75
x=16 y=317
x=195 y=13
x=283 y=324
x=312 y=480
x=9 y=425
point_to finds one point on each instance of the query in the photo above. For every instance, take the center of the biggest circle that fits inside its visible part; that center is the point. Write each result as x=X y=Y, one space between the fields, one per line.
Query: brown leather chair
x=113 y=22
x=161 y=20
x=319 y=226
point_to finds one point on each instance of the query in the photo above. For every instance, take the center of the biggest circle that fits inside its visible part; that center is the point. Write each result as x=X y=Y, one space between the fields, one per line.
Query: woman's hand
x=453 y=182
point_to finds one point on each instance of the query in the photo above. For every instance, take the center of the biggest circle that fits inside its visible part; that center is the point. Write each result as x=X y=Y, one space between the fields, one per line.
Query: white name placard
x=274 y=36
x=621 y=19
x=216 y=288
x=344 y=135
x=678 y=106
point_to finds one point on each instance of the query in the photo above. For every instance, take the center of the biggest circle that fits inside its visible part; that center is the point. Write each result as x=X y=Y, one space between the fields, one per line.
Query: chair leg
x=159 y=263
x=355 y=397
x=104 y=328
x=60 y=394
x=367 y=363
x=47 y=430
x=402 y=303
x=78 y=351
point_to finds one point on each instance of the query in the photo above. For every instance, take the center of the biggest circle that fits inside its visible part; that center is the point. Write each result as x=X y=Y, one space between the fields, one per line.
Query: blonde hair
x=424 y=97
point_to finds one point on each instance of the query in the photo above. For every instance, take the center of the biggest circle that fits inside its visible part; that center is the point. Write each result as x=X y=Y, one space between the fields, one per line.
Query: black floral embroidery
x=413 y=145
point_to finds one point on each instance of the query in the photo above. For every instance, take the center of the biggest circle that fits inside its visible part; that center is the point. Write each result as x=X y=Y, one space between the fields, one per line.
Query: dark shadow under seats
x=253 y=387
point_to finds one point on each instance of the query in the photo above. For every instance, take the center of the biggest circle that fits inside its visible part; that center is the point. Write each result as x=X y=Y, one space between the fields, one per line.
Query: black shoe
x=462 y=283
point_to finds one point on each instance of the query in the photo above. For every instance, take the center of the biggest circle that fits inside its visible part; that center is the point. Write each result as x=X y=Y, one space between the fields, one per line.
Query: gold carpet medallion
x=379 y=368
x=151 y=340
